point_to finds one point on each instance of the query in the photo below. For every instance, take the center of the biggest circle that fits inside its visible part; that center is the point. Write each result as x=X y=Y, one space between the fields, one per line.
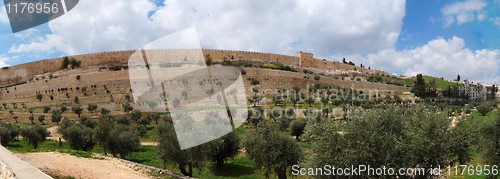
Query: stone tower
x=305 y=58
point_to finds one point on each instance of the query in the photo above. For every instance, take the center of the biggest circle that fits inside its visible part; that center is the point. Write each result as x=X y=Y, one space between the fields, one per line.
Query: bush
x=65 y=63
x=35 y=134
x=317 y=77
x=297 y=128
x=46 y=109
x=39 y=97
x=79 y=137
x=127 y=107
x=123 y=140
x=484 y=108
x=284 y=123
x=285 y=151
x=491 y=136
x=306 y=71
x=91 y=108
x=8 y=133
x=41 y=119
x=87 y=122
x=170 y=151
x=141 y=130
x=77 y=110
x=392 y=136
x=115 y=68
x=375 y=78
x=56 y=116
x=65 y=124
x=105 y=111
x=32 y=119
x=144 y=120
x=123 y=120
x=74 y=63
x=127 y=97
x=467 y=109
x=254 y=81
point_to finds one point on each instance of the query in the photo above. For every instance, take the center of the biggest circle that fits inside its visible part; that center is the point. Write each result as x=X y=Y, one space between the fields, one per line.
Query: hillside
x=104 y=80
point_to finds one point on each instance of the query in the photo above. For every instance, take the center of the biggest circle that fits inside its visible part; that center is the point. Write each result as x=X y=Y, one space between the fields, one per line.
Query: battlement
x=300 y=60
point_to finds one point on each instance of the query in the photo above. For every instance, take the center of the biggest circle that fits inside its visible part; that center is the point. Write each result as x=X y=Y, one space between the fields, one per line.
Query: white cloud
x=441 y=58
x=481 y=16
x=48 y=44
x=279 y=26
x=496 y=21
x=463 y=12
x=3 y=61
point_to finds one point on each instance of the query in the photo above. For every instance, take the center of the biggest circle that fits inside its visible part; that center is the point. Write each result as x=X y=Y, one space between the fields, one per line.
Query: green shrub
x=8 y=133
x=35 y=134
x=253 y=81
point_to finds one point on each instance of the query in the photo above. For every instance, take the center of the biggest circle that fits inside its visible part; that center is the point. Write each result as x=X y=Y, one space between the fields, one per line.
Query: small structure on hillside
x=473 y=91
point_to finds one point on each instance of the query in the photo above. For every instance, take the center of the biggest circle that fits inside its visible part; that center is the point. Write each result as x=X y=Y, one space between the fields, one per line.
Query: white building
x=473 y=91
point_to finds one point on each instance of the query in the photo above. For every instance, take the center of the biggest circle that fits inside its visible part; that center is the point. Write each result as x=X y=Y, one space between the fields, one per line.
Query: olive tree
x=79 y=137
x=297 y=128
x=77 y=110
x=8 y=133
x=285 y=151
x=169 y=150
x=56 y=116
x=224 y=148
x=35 y=134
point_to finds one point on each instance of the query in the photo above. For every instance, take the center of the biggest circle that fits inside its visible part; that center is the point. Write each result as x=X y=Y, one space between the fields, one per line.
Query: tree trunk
x=219 y=165
x=191 y=170
x=104 y=148
x=281 y=173
x=182 y=168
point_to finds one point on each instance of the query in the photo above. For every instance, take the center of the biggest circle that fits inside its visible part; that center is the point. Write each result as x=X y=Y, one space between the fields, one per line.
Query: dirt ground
x=63 y=165
x=54 y=134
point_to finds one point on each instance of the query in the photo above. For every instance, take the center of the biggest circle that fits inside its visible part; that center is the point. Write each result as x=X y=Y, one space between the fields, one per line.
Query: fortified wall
x=21 y=73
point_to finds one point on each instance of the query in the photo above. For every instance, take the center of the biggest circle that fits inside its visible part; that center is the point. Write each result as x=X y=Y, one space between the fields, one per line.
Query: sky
x=441 y=38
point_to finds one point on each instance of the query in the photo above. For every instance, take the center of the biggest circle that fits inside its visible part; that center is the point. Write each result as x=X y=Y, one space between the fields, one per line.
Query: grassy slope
x=440 y=83
x=477 y=159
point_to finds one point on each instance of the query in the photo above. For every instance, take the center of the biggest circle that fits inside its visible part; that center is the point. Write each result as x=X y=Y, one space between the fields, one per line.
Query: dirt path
x=149 y=143
x=54 y=135
x=57 y=164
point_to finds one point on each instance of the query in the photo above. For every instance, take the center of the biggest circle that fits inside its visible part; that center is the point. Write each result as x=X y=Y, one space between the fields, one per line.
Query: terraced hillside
x=105 y=82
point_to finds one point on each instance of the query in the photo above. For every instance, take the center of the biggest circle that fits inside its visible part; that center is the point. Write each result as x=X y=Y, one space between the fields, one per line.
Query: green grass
x=23 y=146
x=480 y=118
x=150 y=135
x=477 y=158
x=241 y=131
x=440 y=83
x=146 y=155
x=238 y=167
x=305 y=145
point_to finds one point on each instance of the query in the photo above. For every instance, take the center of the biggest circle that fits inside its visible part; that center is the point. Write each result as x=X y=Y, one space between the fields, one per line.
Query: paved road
x=21 y=169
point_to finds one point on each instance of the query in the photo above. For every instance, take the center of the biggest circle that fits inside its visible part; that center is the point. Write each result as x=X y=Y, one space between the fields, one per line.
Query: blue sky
x=442 y=38
x=422 y=24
